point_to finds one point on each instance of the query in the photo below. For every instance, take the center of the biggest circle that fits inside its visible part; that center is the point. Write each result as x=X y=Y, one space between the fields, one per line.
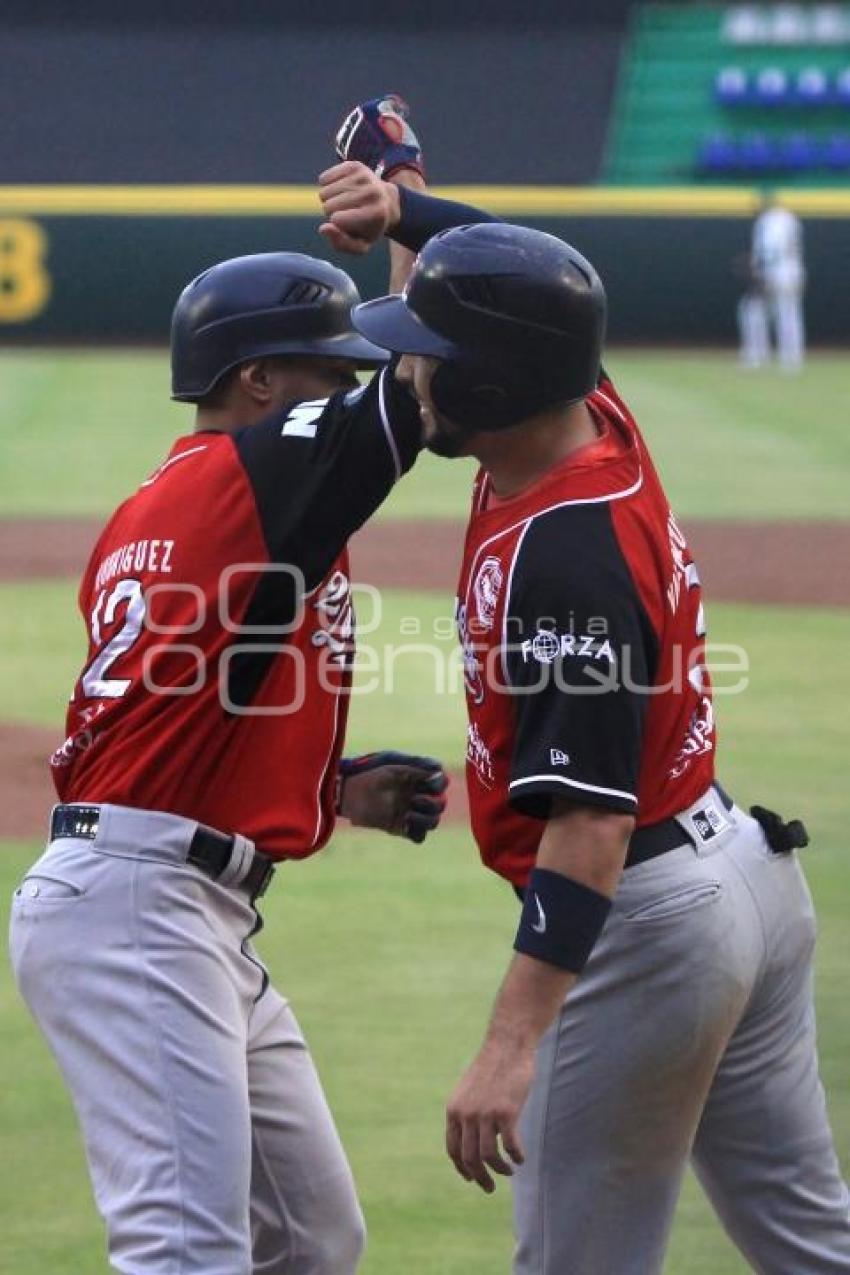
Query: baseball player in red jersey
x=659 y=1002
x=203 y=746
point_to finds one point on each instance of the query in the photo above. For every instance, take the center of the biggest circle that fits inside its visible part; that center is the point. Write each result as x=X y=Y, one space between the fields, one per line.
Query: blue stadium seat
x=790 y=24
x=757 y=154
x=811 y=88
x=772 y=87
x=841 y=88
x=798 y=153
x=836 y=154
x=830 y=24
x=718 y=155
x=732 y=86
x=744 y=24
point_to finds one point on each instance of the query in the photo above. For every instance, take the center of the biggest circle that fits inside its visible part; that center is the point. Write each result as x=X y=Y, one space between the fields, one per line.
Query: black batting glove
x=400 y=793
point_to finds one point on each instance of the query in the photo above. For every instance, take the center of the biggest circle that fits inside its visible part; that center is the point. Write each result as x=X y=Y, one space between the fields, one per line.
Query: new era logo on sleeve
x=558 y=758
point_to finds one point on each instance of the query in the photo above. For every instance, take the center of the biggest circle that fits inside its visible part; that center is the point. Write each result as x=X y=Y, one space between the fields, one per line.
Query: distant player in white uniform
x=774 y=299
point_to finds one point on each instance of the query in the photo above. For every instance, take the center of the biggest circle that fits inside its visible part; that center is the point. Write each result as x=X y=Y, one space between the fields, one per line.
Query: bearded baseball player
x=658 y=1006
x=203 y=748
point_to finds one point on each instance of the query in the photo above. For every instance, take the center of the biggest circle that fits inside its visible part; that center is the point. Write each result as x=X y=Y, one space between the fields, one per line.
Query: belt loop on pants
x=230 y=860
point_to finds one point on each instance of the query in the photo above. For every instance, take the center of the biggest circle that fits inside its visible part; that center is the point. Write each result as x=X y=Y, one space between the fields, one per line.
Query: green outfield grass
x=80 y=430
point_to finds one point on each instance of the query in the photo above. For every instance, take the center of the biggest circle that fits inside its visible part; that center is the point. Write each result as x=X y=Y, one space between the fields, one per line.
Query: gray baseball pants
x=690 y=1034
x=210 y=1144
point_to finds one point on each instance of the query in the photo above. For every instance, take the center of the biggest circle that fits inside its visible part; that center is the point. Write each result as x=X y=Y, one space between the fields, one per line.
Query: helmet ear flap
x=468 y=397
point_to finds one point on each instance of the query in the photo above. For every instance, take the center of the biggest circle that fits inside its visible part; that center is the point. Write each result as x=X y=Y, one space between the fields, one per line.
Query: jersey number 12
x=95 y=683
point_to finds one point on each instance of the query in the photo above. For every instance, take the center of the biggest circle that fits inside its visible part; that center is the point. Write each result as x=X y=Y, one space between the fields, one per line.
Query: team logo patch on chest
x=487 y=590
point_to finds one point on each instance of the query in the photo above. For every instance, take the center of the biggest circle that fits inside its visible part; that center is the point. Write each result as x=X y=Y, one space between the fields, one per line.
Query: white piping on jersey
x=318 y=830
x=538 y=513
x=388 y=430
x=573 y=783
x=172 y=461
x=611 y=404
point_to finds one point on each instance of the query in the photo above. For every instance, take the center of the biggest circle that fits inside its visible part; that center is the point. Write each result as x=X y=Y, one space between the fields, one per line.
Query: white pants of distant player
x=780 y=307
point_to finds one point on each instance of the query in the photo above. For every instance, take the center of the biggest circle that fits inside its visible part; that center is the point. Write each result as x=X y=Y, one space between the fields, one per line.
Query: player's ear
x=255 y=379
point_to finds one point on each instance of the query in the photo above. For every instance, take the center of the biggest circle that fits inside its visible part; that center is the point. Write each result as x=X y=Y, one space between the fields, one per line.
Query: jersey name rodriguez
x=136 y=558
x=580 y=618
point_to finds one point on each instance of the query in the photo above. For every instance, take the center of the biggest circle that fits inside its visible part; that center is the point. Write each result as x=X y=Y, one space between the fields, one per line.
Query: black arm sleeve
x=320 y=469
x=423 y=216
x=581 y=652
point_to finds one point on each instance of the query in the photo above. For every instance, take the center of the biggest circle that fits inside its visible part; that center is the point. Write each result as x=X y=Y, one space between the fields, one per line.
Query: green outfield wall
x=104 y=264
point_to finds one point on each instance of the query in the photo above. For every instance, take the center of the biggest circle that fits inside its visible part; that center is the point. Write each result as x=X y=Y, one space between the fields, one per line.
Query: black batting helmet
x=270 y=303
x=516 y=316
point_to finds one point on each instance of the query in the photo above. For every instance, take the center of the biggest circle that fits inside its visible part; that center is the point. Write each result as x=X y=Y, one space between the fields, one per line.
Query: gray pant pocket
x=676 y=901
x=39 y=888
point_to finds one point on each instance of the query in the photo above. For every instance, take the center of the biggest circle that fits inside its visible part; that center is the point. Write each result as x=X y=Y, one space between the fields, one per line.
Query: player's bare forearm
x=586 y=849
x=588 y=846
x=586 y=843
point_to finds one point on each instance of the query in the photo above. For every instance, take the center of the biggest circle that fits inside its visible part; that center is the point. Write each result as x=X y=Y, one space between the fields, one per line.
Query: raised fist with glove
x=360 y=197
x=399 y=793
x=376 y=133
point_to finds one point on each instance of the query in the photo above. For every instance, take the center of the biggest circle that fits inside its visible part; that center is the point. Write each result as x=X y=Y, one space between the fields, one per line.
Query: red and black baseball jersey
x=581 y=619
x=220 y=622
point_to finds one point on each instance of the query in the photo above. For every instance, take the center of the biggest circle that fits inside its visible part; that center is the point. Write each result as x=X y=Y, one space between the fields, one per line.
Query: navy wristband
x=423 y=216
x=561 y=920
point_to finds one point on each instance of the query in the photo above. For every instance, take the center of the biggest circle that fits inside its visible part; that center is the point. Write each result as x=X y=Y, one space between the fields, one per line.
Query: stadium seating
x=756 y=155
x=734 y=94
x=786 y=24
x=732 y=86
x=836 y=154
x=772 y=87
x=799 y=153
x=811 y=88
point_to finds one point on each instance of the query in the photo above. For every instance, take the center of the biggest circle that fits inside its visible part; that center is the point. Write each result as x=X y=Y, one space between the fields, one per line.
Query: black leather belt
x=209 y=850
x=657 y=838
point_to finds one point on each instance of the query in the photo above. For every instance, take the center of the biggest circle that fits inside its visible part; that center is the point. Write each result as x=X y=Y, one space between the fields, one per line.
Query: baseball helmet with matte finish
x=269 y=303
x=515 y=316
